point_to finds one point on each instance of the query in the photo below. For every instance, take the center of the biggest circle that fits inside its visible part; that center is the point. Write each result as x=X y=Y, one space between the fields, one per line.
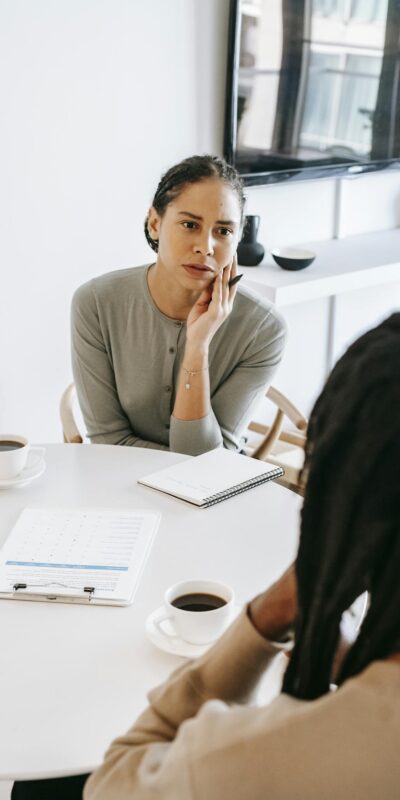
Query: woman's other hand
x=273 y=612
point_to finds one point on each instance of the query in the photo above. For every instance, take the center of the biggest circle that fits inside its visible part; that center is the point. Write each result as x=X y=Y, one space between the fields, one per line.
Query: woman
x=198 y=738
x=164 y=355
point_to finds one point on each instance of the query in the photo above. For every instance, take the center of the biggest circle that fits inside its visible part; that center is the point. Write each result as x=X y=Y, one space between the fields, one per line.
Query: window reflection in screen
x=339 y=104
x=317 y=82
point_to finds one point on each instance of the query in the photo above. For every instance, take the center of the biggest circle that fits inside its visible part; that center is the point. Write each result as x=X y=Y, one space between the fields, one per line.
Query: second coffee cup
x=198 y=611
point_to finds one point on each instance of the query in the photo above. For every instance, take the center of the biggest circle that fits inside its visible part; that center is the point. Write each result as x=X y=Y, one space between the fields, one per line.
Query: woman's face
x=198 y=233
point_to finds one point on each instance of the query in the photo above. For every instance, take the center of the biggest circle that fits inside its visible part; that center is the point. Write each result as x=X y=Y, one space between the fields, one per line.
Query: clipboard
x=85 y=555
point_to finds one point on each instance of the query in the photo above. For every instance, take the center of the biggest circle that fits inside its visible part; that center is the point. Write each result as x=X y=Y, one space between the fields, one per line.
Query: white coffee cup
x=193 y=625
x=14 y=451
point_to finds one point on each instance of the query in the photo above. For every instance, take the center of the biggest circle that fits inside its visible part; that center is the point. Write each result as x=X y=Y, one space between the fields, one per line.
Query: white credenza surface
x=341 y=265
x=351 y=286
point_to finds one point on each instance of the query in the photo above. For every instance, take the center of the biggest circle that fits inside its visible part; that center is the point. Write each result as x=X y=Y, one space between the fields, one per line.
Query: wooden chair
x=285 y=448
x=70 y=428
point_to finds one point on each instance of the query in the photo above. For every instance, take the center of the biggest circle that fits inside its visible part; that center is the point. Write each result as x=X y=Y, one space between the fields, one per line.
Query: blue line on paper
x=65 y=566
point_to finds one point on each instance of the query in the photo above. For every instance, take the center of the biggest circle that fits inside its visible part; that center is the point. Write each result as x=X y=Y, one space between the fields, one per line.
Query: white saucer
x=28 y=474
x=176 y=645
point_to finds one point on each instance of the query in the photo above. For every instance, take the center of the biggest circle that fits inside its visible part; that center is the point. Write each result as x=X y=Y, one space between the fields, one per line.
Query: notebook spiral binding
x=242 y=487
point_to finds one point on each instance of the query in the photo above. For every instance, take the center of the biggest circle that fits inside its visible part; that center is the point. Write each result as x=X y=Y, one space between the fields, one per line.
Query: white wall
x=97 y=98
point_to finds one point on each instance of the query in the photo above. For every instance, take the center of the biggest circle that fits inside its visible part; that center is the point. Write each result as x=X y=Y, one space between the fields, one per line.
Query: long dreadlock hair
x=350 y=525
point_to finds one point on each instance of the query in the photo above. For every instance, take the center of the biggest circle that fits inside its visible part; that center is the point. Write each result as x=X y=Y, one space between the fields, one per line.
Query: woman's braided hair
x=192 y=170
x=350 y=526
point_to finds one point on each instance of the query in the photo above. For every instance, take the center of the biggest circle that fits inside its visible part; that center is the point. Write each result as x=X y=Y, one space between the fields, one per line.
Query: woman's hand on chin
x=212 y=307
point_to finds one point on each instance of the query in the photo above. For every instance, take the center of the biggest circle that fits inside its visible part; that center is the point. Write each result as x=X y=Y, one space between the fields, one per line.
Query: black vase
x=250 y=253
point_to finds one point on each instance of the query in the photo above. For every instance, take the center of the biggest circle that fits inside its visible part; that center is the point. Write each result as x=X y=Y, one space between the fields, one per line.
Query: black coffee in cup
x=198 y=601
x=9 y=445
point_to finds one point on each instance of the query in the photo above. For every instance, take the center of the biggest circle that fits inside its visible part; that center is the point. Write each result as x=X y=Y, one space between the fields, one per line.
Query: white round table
x=72 y=677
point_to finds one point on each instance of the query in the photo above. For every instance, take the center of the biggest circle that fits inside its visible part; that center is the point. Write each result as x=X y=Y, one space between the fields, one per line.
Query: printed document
x=94 y=554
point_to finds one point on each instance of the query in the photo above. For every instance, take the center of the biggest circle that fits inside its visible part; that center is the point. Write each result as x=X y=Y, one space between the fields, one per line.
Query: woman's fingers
x=215 y=297
x=213 y=305
x=227 y=274
x=232 y=289
x=205 y=297
x=222 y=294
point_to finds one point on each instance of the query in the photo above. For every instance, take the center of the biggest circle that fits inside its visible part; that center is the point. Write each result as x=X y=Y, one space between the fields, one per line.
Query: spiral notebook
x=212 y=477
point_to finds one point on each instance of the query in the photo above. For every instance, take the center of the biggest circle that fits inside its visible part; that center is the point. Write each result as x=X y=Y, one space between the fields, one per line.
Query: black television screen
x=313 y=88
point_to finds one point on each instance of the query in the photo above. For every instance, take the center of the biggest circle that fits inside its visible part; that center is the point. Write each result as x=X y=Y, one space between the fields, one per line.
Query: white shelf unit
x=341 y=265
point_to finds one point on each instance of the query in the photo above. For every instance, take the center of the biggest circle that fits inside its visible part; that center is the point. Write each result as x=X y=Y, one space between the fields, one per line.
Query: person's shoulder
x=118 y=280
x=116 y=284
x=249 y=299
x=251 y=308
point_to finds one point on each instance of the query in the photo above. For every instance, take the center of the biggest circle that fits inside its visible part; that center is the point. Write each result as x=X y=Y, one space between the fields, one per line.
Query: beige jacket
x=199 y=739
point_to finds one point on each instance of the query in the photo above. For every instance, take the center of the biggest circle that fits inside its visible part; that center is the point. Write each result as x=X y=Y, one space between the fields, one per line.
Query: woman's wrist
x=195 y=356
x=273 y=612
x=193 y=392
x=273 y=624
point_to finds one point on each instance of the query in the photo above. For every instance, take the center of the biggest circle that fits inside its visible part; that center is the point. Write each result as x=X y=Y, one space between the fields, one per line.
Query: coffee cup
x=197 y=611
x=14 y=451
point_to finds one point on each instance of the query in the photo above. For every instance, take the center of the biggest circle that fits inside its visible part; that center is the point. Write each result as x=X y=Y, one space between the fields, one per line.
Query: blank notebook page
x=211 y=477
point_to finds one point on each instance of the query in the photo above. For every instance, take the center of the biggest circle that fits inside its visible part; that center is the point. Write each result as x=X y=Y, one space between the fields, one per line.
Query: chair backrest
x=281 y=447
x=284 y=408
x=70 y=428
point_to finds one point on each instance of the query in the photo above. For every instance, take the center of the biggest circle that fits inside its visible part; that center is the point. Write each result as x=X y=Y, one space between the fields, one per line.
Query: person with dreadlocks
x=170 y=355
x=199 y=739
